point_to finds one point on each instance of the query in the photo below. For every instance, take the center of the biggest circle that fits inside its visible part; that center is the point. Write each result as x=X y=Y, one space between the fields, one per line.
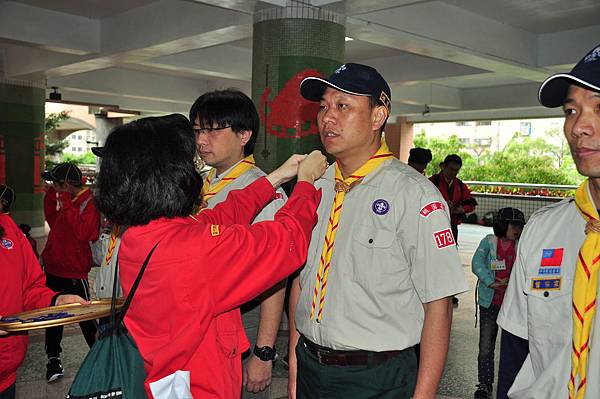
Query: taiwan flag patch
x=552 y=257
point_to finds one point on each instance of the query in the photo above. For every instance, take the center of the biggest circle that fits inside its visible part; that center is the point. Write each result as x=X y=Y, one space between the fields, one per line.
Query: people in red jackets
x=23 y=288
x=67 y=258
x=455 y=192
x=205 y=265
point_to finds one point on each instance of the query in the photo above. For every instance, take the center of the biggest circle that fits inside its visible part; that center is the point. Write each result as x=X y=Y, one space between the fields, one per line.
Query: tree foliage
x=87 y=158
x=54 y=148
x=523 y=160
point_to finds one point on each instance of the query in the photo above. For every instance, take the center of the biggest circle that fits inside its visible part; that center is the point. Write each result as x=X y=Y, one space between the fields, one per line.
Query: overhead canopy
x=465 y=59
x=69 y=126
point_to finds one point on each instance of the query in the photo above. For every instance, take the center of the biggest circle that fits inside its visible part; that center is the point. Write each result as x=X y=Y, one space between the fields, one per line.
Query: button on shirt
x=538 y=302
x=391 y=254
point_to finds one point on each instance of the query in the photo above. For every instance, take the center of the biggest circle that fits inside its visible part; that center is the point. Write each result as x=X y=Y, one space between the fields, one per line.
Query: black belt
x=347 y=358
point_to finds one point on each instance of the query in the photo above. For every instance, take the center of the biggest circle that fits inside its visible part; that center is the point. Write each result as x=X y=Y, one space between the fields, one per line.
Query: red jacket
x=23 y=287
x=457 y=194
x=67 y=253
x=184 y=314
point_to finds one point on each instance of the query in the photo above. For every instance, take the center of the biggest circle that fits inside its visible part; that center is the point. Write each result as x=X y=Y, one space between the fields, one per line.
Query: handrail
x=521 y=185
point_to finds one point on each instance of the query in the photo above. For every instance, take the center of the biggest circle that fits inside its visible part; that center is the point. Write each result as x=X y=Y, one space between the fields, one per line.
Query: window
x=79 y=149
x=463 y=123
x=73 y=149
x=525 y=128
x=483 y=123
x=483 y=142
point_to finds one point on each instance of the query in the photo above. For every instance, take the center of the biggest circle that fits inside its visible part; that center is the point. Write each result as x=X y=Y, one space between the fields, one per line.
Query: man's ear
x=245 y=136
x=379 y=116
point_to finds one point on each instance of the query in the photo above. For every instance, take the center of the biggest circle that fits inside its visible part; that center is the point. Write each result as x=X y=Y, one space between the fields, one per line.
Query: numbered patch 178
x=444 y=238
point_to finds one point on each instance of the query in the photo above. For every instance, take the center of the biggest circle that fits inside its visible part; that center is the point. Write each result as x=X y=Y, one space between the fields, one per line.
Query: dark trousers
x=513 y=352
x=394 y=379
x=8 y=393
x=88 y=328
x=488 y=331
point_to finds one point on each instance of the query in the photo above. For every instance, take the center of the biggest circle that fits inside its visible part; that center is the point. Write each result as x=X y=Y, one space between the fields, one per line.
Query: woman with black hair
x=492 y=264
x=184 y=315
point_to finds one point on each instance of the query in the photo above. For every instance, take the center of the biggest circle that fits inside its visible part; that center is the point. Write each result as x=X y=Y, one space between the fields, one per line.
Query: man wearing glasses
x=226 y=125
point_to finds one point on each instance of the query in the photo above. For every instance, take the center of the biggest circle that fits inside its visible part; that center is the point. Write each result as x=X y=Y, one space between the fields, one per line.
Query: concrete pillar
x=22 y=147
x=104 y=126
x=406 y=137
x=392 y=137
x=290 y=43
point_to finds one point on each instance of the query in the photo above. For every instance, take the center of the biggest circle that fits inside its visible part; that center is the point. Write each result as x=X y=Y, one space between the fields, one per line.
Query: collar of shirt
x=220 y=176
x=330 y=174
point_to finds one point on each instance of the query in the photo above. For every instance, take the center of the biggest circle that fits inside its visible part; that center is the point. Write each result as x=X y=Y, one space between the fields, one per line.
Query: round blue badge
x=6 y=243
x=381 y=207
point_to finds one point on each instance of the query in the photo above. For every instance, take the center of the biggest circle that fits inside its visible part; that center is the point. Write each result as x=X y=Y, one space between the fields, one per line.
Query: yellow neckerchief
x=112 y=244
x=585 y=288
x=342 y=186
x=242 y=167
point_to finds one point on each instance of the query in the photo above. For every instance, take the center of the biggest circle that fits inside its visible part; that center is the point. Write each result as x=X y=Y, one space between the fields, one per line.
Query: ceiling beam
x=46 y=29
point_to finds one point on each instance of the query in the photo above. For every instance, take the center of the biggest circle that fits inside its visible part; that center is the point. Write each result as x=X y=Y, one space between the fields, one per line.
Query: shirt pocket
x=549 y=312
x=375 y=256
x=229 y=330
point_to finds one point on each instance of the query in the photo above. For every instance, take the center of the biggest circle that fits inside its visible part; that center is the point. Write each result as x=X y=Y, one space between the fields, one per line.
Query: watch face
x=265 y=353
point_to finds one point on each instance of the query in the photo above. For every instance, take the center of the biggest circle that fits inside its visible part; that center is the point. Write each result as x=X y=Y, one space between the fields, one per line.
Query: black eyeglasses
x=210 y=130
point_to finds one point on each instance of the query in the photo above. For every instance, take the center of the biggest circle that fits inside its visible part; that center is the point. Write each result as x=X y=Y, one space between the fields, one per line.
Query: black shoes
x=54 y=369
x=483 y=392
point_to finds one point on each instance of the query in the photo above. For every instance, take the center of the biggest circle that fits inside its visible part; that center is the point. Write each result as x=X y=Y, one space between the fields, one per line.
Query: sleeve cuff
x=305 y=189
x=264 y=189
x=55 y=297
x=511 y=326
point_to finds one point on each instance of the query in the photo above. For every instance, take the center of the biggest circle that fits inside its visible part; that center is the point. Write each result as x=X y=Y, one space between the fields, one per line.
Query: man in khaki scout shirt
x=226 y=124
x=382 y=264
x=552 y=293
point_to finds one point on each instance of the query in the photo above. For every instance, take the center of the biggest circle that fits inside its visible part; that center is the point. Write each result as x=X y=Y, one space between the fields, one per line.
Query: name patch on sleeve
x=431 y=207
x=444 y=238
x=546 y=283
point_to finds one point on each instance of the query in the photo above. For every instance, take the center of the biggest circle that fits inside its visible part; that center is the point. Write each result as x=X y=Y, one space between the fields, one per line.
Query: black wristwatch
x=265 y=353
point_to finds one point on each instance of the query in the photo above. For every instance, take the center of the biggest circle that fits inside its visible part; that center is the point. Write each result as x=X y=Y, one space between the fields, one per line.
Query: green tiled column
x=22 y=155
x=289 y=44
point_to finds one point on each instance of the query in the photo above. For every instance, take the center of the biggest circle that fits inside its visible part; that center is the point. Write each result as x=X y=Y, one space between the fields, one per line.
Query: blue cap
x=586 y=73
x=356 y=79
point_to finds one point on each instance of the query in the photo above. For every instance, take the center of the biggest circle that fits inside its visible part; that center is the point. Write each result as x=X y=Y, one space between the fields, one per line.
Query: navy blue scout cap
x=98 y=151
x=64 y=172
x=586 y=74
x=356 y=79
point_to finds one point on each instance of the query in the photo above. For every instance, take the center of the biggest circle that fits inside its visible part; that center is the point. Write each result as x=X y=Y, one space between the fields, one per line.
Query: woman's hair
x=147 y=171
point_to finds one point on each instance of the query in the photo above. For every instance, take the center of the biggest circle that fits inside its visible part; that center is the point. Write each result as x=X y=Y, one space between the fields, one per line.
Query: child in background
x=492 y=264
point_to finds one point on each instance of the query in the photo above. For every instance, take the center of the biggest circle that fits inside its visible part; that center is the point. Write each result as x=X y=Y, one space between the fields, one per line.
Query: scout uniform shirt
x=268 y=212
x=538 y=304
x=393 y=252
